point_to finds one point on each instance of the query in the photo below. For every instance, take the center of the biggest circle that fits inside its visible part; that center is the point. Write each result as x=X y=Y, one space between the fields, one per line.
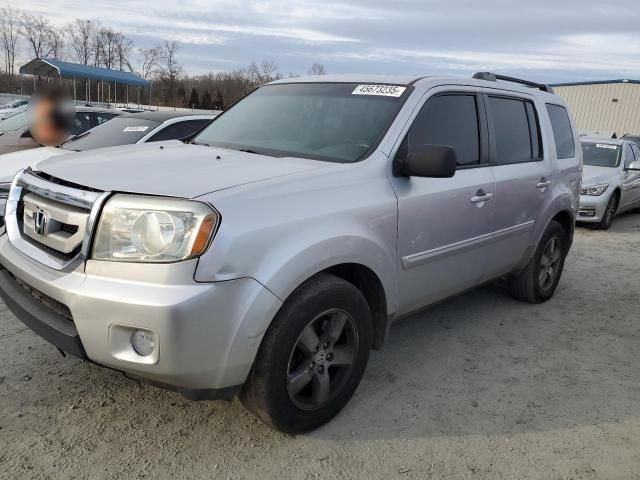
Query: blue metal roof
x=47 y=67
x=595 y=82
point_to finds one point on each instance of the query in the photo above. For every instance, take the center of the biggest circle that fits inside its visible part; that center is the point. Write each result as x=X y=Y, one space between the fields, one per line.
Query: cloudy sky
x=551 y=41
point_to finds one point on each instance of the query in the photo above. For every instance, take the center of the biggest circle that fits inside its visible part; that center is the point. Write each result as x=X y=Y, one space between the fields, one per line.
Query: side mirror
x=435 y=161
x=635 y=166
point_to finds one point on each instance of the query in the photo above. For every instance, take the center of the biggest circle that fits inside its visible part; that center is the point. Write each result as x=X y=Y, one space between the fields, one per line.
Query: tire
x=610 y=212
x=299 y=382
x=530 y=285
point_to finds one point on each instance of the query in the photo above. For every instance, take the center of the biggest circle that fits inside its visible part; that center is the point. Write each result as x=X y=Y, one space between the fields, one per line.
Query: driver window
x=452 y=120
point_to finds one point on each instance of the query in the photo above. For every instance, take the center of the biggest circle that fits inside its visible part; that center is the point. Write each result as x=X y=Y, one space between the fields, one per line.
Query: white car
x=12 y=108
x=123 y=130
x=610 y=180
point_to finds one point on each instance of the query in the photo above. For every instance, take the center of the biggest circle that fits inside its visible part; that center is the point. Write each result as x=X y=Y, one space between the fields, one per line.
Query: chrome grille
x=49 y=221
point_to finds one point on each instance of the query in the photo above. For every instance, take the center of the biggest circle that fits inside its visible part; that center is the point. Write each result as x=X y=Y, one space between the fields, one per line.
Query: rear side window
x=179 y=130
x=562 y=133
x=515 y=130
x=450 y=120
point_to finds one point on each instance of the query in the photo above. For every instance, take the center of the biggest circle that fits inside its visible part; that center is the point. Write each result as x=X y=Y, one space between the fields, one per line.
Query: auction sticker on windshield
x=135 y=129
x=379 y=90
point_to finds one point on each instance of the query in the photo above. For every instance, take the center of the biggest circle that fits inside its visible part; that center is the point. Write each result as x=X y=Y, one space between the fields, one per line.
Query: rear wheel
x=312 y=357
x=538 y=281
x=609 y=213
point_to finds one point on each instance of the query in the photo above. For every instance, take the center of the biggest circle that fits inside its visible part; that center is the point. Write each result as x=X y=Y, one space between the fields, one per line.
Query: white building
x=604 y=107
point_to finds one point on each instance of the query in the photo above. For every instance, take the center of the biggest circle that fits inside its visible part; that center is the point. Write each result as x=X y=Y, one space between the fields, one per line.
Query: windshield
x=14 y=122
x=321 y=121
x=117 y=131
x=601 y=154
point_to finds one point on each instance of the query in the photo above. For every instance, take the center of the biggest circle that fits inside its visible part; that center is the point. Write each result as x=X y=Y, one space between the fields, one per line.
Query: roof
x=606 y=141
x=417 y=80
x=48 y=67
x=380 y=79
x=163 y=116
x=84 y=108
x=595 y=82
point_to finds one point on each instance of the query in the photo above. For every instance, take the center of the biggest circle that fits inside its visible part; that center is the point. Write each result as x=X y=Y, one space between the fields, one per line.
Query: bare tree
x=9 y=34
x=80 y=38
x=108 y=46
x=170 y=68
x=55 y=43
x=266 y=72
x=317 y=69
x=124 y=46
x=36 y=30
x=151 y=58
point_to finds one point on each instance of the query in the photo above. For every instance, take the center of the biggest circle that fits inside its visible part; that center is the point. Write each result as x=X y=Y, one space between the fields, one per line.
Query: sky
x=547 y=41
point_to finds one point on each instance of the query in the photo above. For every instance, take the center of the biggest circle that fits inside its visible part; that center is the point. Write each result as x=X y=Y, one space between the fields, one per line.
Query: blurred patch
x=52 y=115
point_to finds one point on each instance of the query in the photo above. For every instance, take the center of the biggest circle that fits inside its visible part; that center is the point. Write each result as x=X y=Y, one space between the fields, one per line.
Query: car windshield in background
x=118 y=131
x=321 y=121
x=601 y=154
x=15 y=122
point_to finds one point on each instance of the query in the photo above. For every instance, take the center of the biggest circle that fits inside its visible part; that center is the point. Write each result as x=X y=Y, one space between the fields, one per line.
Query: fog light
x=143 y=342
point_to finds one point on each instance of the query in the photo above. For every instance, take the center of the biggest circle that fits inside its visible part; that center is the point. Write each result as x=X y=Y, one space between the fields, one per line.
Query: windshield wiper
x=76 y=137
x=248 y=150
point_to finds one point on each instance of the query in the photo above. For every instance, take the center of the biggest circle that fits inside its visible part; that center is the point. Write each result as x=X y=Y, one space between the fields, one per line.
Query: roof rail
x=493 y=77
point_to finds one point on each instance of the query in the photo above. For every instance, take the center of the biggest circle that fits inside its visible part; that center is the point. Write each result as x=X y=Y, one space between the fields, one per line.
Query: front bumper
x=592 y=208
x=207 y=333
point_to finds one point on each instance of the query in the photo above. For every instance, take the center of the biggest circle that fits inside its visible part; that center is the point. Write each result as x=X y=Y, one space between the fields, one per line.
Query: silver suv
x=268 y=257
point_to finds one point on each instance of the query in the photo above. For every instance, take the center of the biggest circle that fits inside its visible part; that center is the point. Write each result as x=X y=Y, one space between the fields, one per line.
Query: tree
x=80 y=39
x=151 y=58
x=194 y=101
x=266 y=72
x=124 y=45
x=206 y=103
x=170 y=69
x=317 y=69
x=108 y=46
x=55 y=43
x=37 y=33
x=219 y=103
x=9 y=34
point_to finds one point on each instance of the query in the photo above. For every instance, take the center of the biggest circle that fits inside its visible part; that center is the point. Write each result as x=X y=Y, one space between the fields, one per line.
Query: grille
x=55 y=227
x=46 y=301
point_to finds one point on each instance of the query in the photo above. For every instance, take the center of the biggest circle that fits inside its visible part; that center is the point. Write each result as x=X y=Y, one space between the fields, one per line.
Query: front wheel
x=609 y=213
x=312 y=357
x=538 y=281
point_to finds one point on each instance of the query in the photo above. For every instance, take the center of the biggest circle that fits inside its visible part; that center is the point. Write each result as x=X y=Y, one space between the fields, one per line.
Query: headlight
x=595 y=190
x=134 y=228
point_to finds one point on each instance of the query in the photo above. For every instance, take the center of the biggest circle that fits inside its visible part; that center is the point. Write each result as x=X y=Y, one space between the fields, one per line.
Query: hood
x=170 y=168
x=11 y=163
x=596 y=175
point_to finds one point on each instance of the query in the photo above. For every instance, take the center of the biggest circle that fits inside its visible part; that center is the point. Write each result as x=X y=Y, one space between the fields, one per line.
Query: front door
x=445 y=224
x=630 y=180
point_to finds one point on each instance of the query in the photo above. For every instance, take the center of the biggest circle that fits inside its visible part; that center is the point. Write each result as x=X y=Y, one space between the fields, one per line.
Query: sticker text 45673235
x=379 y=90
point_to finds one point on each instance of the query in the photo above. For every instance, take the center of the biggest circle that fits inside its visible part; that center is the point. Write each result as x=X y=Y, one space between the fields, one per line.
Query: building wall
x=595 y=109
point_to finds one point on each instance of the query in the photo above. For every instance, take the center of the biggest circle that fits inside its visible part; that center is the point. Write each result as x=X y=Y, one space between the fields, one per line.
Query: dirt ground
x=481 y=386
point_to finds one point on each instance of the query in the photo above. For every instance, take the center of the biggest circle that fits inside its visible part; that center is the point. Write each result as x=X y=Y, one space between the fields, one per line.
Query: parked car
x=610 y=180
x=126 y=129
x=12 y=108
x=270 y=255
x=21 y=139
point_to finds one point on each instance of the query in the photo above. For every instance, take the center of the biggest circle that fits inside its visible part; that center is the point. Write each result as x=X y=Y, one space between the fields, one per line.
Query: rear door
x=445 y=224
x=631 y=181
x=522 y=175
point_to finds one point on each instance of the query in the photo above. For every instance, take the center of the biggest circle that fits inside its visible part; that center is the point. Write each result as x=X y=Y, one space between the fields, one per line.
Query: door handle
x=480 y=197
x=543 y=183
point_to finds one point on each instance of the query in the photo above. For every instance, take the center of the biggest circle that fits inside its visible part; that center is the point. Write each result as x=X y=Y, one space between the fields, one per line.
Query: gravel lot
x=481 y=386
